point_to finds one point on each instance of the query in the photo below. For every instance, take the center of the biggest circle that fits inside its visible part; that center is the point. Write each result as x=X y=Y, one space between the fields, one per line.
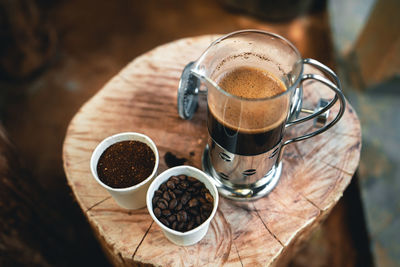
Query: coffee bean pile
x=182 y=203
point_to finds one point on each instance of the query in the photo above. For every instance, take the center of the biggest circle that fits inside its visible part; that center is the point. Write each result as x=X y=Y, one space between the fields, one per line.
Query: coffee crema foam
x=249 y=82
x=247 y=115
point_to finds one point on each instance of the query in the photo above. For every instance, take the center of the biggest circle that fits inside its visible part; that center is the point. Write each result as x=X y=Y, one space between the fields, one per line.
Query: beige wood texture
x=142 y=98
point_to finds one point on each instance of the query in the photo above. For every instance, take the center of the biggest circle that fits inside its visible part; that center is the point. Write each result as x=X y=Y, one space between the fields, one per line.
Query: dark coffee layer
x=243 y=143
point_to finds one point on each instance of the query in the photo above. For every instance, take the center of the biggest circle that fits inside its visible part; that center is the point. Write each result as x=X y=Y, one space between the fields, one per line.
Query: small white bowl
x=195 y=235
x=133 y=197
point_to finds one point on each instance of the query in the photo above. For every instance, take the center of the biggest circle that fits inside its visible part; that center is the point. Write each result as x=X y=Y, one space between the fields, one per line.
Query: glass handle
x=336 y=87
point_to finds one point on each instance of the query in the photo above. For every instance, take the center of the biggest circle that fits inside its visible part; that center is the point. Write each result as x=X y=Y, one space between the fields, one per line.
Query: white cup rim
x=151 y=190
x=115 y=139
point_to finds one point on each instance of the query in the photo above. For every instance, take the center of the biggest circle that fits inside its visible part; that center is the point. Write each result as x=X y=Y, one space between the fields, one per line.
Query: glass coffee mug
x=253 y=83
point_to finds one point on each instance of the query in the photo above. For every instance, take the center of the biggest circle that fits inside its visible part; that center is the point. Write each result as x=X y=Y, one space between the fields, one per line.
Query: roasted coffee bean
x=164 y=221
x=207 y=213
x=162 y=204
x=177 y=191
x=158 y=193
x=174 y=225
x=202 y=200
x=170 y=184
x=182 y=216
x=172 y=204
x=180 y=226
x=171 y=194
x=157 y=212
x=174 y=179
x=191 y=190
x=183 y=185
x=154 y=200
x=172 y=218
x=198 y=184
x=179 y=206
x=185 y=198
x=166 y=212
x=198 y=219
x=182 y=177
x=192 y=179
x=163 y=187
x=207 y=207
x=209 y=197
x=166 y=196
x=193 y=211
x=190 y=225
x=193 y=203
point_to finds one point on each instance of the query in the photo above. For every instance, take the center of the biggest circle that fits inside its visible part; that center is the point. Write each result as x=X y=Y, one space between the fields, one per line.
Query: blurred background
x=56 y=54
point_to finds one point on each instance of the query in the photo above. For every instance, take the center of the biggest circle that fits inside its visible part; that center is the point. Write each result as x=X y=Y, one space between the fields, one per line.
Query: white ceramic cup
x=133 y=197
x=195 y=235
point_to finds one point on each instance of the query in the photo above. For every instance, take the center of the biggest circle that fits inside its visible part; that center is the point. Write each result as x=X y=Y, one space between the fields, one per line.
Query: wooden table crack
x=141 y=241
x=335 y=167
x=238 y=254
x=98 y=203
x=266 y=227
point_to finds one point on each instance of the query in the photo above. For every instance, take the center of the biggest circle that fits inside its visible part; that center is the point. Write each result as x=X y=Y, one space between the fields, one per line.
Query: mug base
x=242 y=193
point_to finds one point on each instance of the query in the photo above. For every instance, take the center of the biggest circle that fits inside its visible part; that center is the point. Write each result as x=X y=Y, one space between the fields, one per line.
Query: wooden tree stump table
x=142 y=98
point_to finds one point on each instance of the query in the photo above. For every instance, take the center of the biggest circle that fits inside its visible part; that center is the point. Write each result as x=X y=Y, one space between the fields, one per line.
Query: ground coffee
x=125 y=164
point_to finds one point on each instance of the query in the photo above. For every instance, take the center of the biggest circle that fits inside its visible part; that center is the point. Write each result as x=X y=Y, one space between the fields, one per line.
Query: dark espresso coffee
x=249 y=122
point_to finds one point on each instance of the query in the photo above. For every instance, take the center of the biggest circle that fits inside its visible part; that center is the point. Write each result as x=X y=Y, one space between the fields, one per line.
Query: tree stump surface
x=143 y=98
